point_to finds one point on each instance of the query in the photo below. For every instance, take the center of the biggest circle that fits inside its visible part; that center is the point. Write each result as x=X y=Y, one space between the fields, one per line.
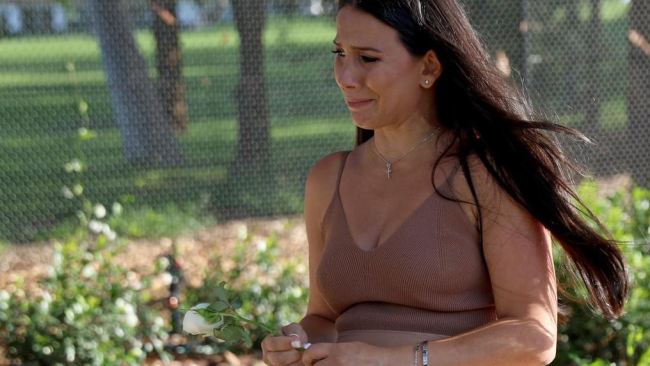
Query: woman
x=430 y=242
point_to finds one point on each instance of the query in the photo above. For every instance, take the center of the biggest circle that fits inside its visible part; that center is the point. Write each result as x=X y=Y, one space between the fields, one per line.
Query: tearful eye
x=369 y=59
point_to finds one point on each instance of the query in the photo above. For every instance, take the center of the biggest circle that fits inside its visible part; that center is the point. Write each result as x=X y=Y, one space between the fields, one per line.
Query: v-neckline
x=392 y=235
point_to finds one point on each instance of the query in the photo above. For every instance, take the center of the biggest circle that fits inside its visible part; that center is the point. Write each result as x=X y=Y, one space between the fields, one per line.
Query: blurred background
x=138 y=121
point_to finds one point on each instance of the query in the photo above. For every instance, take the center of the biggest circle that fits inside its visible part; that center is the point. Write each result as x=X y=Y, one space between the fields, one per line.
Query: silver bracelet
x=415 y=357
x=425 y=353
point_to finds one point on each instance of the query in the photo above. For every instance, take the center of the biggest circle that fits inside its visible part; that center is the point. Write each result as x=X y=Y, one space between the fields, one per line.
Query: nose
x=347 y=75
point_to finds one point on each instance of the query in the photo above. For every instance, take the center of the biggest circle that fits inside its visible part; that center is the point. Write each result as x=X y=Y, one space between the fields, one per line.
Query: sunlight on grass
x=613 y=114
x=314 y=128
x=614 y=9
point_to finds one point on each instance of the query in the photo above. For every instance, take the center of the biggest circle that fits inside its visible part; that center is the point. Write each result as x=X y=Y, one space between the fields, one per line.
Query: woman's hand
x=282 y=350
x=352 y=353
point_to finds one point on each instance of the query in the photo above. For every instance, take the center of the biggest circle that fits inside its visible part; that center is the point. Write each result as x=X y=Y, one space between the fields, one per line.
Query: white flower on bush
x=261 y=245
x=193 y=322
x=100 y=211
x=77 y=189
x=162 y=263
x=4 y=299
x=96 y=226
x=70 y=354
x=130 y=317
x=44 y=305
x=117 y=209
x=77 y=308
x=242 y=231
x=88 y=271
x=296 y=291
x=158 y=323
x=133 y=280
x=166 y=278
x=67 y=192
x=109 y=233
x=73 y=166
x=256 y=288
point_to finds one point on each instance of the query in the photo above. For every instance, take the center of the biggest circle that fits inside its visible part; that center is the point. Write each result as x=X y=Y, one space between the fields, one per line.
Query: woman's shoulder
x=483 y=184
x=495 y=202
x=324 y=173
x=321 y=185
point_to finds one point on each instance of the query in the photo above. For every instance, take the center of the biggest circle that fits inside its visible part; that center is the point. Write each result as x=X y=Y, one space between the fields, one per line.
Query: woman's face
x=379 y=78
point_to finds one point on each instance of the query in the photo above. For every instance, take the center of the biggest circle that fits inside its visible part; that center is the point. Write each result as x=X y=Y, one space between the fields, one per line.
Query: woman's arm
x=518 y=254
x=319 y=189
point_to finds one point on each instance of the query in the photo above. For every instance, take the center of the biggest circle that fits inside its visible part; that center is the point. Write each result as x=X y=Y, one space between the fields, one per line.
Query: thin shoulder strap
x=447 y=185
x=343 y=160
x=451 y=176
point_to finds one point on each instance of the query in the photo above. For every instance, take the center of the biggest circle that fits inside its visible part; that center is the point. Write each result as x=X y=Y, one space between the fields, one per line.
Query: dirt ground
x=31 y=261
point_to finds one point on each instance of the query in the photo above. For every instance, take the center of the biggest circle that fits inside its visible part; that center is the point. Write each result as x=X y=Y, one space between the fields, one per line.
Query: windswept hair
x=491 y=119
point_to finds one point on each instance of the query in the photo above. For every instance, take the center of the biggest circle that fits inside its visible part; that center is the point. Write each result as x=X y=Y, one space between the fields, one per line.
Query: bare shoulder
x=321 y=181
x=492 y=198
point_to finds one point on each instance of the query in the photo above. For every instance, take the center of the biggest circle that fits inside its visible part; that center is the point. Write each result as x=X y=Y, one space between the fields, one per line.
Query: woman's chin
x=362 y=123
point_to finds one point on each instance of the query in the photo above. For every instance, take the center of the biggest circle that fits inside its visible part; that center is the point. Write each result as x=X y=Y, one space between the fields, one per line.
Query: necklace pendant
x=389 y=169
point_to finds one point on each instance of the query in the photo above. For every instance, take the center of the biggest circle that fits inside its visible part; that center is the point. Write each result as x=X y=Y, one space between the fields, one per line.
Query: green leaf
x=221 y=292
x=219 y=306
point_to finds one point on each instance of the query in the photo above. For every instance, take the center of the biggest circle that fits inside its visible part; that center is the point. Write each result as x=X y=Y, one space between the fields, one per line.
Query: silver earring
x=426 y=82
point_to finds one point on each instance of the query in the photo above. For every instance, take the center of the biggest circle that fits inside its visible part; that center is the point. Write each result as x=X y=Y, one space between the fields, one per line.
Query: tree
x=592 y=101
x=147 y=136
x=169 y=62
x=502 y=26
x=638 y=148
x=253 y=137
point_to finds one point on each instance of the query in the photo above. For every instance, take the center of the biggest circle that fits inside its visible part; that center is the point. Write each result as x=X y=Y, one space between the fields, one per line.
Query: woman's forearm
x=319 y=329
x=503 y=343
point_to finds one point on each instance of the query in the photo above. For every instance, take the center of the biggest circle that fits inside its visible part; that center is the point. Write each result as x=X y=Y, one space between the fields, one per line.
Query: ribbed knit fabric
x=429 y=276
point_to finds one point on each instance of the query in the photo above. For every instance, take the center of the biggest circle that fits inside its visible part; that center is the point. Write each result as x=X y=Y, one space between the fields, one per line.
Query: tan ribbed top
x=429 y=276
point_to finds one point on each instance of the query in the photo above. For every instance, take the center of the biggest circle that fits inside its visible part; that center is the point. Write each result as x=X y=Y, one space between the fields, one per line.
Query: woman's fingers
x=296 y=330
x=278 y=351
x=278 y=343
x=316 y=353
x=282 y=350
x=284 y=358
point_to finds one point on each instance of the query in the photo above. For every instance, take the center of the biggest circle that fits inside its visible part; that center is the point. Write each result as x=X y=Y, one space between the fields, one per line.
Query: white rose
x=193 y=322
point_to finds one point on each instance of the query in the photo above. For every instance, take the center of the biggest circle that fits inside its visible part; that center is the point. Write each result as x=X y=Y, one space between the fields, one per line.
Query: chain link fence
x=225 y=105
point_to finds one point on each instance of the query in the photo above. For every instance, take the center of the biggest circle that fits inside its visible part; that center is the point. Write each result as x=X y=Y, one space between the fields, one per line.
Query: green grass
x=39 y=99
x=39 y=116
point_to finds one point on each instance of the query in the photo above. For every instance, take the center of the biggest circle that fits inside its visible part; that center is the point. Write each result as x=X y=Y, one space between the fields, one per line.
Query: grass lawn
x=45 y=80
x=39 y=117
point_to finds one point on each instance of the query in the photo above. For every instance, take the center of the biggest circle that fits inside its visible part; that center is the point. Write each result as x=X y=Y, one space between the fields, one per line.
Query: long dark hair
x=490 y=118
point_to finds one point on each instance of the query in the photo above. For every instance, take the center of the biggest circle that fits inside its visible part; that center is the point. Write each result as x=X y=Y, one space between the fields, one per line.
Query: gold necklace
x=389 y=163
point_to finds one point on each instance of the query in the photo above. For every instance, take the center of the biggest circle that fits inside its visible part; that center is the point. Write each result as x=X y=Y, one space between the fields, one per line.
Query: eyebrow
x=359 y=48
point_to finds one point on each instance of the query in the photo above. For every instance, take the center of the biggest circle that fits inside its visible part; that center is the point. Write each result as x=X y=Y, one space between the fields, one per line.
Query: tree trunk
x=147 y=136
x=573 y=41
x=638 y=105
x=592 y=99
x=169 y=63
x=253 y=137
x=508 y=35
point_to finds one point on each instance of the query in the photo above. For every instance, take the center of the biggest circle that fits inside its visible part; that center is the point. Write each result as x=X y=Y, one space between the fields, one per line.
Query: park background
x=150 y=149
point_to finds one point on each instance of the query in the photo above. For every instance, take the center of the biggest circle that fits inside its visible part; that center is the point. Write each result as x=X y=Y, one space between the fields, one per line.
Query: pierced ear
x=432 y=68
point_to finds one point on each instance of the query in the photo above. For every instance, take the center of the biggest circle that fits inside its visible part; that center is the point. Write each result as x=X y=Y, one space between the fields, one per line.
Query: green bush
x=271 y=290
x=90 y=311
x=587 y=339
